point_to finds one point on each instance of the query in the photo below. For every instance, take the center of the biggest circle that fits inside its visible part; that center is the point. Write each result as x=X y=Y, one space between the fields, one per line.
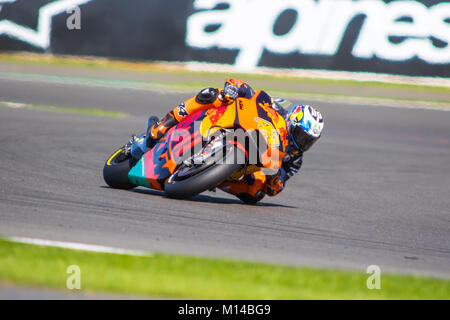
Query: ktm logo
x=39 y=37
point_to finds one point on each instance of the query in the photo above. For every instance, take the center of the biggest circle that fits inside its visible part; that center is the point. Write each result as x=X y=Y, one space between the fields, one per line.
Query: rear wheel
x=115 y=171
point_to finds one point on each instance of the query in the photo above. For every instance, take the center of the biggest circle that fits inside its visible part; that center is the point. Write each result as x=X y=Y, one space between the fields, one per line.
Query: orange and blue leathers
x=253 y=187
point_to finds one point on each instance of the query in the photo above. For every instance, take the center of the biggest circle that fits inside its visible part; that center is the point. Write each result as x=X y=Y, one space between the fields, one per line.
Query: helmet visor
x=303 y=140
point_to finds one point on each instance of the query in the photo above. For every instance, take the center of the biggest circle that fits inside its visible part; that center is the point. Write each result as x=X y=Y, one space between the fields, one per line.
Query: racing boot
x=152 y=121
x=157 y=129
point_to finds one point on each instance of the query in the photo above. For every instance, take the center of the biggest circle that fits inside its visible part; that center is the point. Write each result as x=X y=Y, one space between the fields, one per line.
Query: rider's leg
x=152 y=121
x=159 y=128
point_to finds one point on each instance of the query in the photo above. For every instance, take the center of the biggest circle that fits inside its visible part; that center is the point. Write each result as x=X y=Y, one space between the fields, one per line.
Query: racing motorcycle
x=204 y=150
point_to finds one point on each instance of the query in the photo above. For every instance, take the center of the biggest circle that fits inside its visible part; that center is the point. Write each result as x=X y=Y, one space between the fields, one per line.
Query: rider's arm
x=275 y=184
x=205 y=99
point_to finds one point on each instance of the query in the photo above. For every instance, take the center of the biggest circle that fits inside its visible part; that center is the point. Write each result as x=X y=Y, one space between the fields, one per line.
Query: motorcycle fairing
x=158 y=164
x=251 y=119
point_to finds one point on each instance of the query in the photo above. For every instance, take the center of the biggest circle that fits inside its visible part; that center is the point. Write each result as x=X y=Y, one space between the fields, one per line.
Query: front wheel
x=115 y=171
x=188 y=182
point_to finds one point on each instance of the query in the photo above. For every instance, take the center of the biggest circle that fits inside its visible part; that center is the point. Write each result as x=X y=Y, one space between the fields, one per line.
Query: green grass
x=302 y=94
x=323 y=83
x=192 y=87
x=110 y=64
x=174 y=276
x=87 y=111
x=340 y=91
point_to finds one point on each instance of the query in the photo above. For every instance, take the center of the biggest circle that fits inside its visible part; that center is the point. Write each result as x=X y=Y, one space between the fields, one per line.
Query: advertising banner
x=398 y=37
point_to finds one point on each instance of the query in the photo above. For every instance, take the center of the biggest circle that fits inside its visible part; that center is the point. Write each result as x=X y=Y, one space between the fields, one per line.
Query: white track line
x=314 y=73
x=78 y=246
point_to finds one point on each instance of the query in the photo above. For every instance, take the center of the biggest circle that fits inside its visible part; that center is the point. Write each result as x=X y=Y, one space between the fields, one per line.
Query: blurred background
x=396 y=37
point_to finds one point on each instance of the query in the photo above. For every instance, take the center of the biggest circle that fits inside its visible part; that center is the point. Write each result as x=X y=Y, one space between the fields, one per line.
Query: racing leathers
x=252 y=187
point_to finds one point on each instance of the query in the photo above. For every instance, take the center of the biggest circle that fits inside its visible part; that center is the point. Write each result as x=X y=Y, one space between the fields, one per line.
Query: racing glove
x=230 y=90
x=274 y=185
x=291 y=165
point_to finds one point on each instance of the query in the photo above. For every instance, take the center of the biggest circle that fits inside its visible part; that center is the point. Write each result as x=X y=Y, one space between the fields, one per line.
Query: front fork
x=138 y=146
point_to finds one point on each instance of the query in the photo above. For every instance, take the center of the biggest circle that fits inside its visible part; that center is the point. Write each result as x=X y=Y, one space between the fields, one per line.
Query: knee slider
x=247 y=198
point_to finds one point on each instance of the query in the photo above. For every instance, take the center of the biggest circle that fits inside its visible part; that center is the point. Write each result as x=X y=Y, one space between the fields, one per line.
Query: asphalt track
x=374 y=190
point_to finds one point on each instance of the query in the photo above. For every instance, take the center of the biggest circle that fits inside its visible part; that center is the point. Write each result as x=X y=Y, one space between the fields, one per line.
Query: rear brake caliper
x=127 y=147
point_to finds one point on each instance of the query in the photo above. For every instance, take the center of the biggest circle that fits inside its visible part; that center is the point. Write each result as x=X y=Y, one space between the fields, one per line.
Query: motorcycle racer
x=304 y=128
